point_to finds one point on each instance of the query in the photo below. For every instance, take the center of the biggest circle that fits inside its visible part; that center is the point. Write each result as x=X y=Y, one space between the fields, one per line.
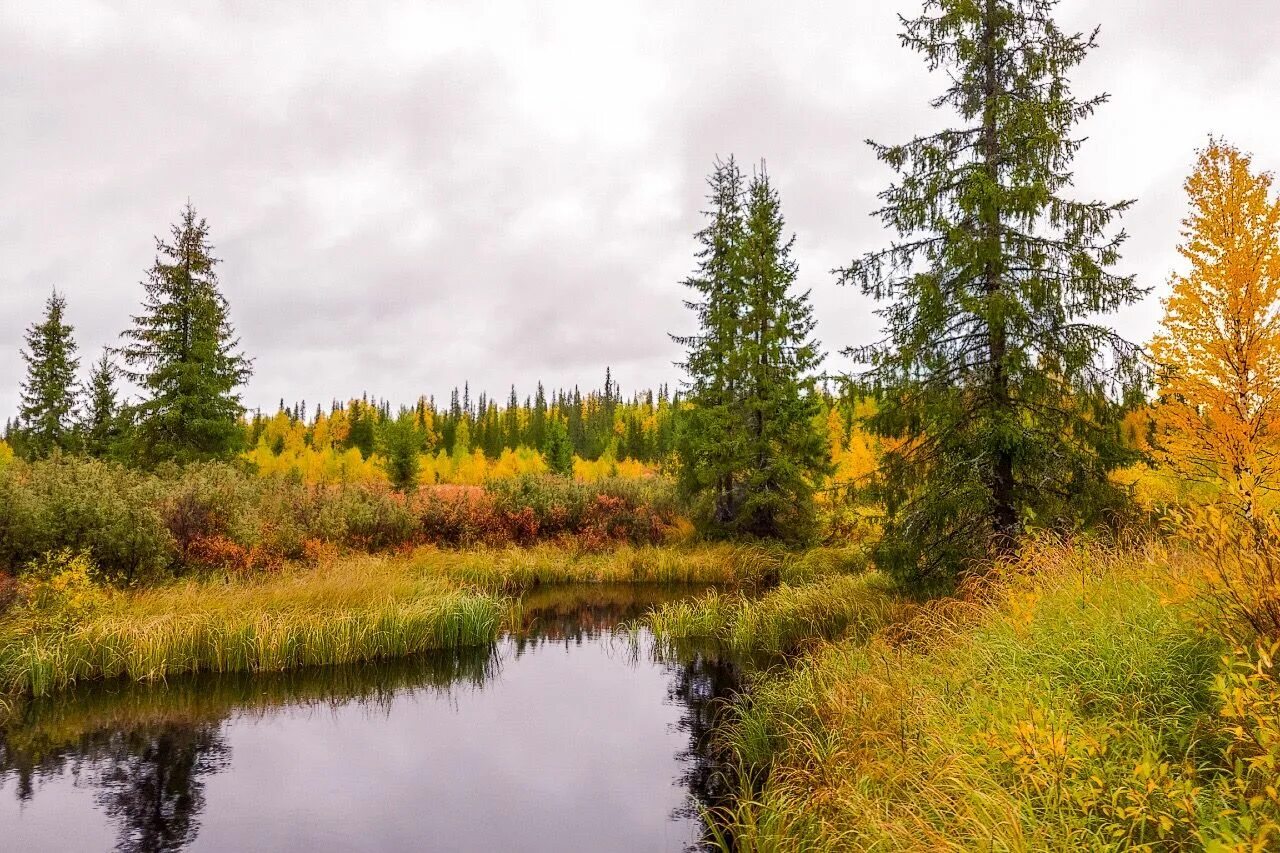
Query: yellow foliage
x=1219 y=350
x=1239 y=564
x=58 y=590
x=314 y=466
x=6 y=454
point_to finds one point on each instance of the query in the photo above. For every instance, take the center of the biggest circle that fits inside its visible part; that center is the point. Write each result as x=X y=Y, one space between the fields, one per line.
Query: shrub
x=58 y=591
x=103 y=509
x=1240 y=566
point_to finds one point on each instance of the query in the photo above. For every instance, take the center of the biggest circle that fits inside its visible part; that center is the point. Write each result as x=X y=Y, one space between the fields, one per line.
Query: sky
x=406 y=196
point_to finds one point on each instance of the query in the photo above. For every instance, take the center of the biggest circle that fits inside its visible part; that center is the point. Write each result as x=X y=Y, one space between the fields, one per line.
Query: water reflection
x=559 y=736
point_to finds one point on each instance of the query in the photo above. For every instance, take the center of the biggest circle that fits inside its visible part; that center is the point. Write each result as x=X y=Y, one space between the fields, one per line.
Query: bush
x=1240 y=567
x=139 y=525
x=110 y=512
x=59 y=591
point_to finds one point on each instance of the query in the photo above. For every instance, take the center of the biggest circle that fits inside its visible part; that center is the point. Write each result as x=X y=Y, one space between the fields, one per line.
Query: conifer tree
x=786 y=455
x=101 y=424
x=558 y=450
x=538 y=419
x=712 y=429
x=996 y=385
x=183 y=352
x=48 y=404
x=401 y=444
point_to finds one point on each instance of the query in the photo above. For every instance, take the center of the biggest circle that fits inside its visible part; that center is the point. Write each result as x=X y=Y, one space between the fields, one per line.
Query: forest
x=1013 y=584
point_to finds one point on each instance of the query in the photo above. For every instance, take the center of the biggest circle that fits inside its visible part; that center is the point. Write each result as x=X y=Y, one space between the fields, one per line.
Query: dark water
x=568 y=737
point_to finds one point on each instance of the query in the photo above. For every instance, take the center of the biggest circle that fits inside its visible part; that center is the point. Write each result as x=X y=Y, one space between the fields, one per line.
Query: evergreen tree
x=538 y=419
x=558 y=451
x=999 y=391
x=785 y=454
x=401 y=444
x=182 y=351
x=712 y=434
x=101 y=424
x=48 y=405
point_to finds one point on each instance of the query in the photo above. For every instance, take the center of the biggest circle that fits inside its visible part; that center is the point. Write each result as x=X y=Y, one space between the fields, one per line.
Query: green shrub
x=106 y=510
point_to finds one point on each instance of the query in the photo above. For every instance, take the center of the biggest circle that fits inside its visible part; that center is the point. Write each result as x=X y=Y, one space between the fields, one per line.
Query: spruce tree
x=999 y=391
x=786 y=455
x=48 y=404
x=101 y=425
x=401 y=444
x=558 y=450
x=711 y=437
x=182 y=351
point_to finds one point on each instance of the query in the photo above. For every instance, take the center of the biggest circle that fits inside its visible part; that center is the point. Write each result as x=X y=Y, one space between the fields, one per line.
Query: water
x=568 y=736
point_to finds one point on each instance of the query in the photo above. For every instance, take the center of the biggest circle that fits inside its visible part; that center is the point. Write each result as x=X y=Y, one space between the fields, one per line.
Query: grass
x=786 y=617
x=344 y=611
x=1069 y=703
x=347 y=612
x=518 y=569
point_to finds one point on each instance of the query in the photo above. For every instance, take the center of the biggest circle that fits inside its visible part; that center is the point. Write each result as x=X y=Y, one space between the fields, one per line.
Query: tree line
x=999 y=401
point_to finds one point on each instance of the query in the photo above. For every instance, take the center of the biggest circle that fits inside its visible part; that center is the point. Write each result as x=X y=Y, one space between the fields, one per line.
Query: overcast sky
x=409 y=195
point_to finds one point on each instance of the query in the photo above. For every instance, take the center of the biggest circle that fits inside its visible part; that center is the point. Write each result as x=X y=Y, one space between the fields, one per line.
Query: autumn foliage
x=1218 y=418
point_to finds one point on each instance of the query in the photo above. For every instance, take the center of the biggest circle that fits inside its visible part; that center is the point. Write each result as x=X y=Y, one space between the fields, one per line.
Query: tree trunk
x=1004 y=514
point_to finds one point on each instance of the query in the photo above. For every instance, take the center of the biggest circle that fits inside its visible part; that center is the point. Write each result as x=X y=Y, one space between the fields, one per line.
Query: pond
x=569 y=735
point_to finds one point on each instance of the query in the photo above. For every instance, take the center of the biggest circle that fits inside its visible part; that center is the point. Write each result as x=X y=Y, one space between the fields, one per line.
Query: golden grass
x=1066 y=703
x=356 y=610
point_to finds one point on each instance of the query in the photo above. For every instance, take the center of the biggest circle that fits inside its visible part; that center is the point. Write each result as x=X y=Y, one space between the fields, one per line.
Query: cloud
x=406 y=196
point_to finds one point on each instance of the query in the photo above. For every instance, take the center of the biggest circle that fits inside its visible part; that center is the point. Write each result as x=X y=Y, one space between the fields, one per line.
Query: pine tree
x=182 y=351
x=101 y=426
x=711 y=437
x=786 y=455
x=48 y=405
x=999 y=390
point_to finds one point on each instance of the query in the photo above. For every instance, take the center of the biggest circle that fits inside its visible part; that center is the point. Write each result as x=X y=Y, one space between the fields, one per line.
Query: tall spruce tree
x=101 y=425
x=999 y=390
x=750 y=454
x=711 y=437
x=786 y=455
x=48 y=404
x=183 y=352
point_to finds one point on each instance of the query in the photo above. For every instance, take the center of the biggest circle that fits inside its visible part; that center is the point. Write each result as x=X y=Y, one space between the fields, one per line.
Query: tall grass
x=346 y=613
x=516 y=569
x=1066 y=703
x=785 y=617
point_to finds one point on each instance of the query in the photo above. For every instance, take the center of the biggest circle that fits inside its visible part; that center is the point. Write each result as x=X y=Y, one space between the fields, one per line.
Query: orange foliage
x=1219 y=349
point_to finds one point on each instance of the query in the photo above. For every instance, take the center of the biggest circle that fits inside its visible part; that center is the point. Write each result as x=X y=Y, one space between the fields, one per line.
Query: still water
x=568 y=736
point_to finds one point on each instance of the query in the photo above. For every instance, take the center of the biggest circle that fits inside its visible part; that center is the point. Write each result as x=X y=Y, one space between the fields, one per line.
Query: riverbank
x=1077 y=699
x=345 y=610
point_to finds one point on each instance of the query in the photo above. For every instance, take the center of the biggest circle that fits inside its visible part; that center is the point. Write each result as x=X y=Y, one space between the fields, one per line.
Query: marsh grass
x=347 y=609
x=518 y=569
x=782 y=619
x=1066 y=702
x=362 y=610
